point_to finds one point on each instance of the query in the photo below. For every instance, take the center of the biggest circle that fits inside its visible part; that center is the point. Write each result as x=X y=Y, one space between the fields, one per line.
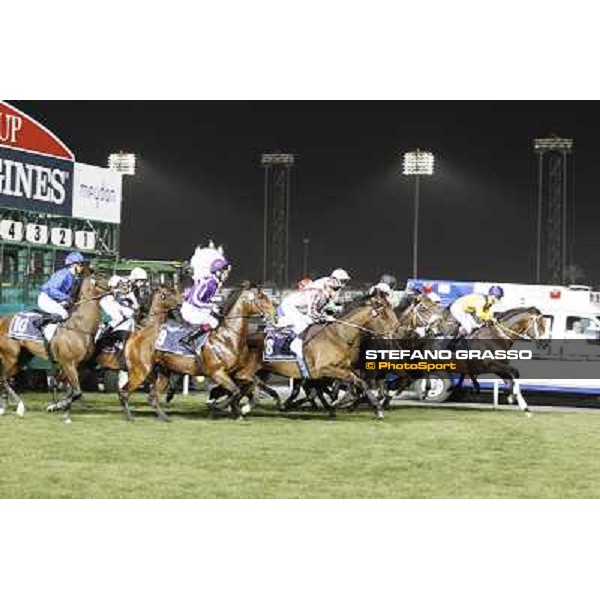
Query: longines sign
x=38 y=173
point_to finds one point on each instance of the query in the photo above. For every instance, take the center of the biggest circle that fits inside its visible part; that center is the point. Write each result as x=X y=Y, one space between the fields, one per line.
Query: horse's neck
x=518 y=322
x=86 y=316
x=358 y=317
x=234 y=325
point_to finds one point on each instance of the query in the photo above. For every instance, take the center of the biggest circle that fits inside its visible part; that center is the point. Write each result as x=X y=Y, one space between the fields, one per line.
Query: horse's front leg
x=72 y=376
x=159 y=385
x=221 y=377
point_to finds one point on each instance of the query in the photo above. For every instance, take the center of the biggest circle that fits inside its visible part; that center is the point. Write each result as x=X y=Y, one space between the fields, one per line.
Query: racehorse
x=222 y=353
x=71 y=345
x=140 y=343
x=433 y=321
x=331 y=350
x=525 y=324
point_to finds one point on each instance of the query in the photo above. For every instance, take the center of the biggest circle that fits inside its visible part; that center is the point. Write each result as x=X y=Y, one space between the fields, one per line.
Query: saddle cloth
x=25 y=326
x=277 y=344
x=169 y=339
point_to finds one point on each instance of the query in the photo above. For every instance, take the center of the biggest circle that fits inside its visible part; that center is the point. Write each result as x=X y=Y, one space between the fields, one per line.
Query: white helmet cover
x=115 y=281
x=381 y=287
x=340 y=275
x=203 y=258
x=138 y=273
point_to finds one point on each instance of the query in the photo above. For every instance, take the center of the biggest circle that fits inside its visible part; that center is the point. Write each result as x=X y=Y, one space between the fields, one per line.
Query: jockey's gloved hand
x=329 y=319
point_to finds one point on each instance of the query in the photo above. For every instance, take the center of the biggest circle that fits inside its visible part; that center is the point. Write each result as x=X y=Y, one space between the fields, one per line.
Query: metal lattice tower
x=551 y=261
x=277 y=166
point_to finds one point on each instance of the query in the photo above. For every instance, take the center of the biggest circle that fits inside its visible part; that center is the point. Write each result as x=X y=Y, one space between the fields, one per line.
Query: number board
x=85 y=240
x=36 y=233
x=61 y=236
x=11 y=230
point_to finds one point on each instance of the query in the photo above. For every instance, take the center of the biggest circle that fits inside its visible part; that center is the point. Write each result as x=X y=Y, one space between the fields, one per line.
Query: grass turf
x=414 y=453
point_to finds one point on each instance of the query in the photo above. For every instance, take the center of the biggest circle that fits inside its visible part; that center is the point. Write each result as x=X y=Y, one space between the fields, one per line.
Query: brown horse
x=331 y=351
x=140 y=344
x=71 y=345
x=223 y=352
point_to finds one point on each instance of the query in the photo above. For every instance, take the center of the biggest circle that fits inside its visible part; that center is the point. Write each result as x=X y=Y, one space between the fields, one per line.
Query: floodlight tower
x=416 y=163
x=122 y=162
x=277 y=166
x=551 y=256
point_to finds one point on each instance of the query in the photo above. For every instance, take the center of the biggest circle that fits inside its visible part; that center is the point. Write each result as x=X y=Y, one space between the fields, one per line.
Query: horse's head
x=524 y=323
x=165 y=299
x=249 y=301
x=422 y=314
x=381 y=319
x=93 y=286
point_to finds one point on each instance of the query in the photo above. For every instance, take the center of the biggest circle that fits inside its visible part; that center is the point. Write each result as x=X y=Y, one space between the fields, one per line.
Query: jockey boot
x=48 y=318
x=187 y=339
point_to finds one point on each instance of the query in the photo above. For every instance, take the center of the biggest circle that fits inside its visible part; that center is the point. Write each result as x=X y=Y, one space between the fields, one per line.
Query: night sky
x=200 y=176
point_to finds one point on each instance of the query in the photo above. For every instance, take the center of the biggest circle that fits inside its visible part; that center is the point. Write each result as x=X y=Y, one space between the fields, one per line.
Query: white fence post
x=496 y=393
x=186 y=385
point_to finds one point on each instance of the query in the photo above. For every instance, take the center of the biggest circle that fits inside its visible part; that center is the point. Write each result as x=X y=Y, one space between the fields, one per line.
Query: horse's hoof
x=529 y=414
x=246 y=409
x=68 y=421
x=164 y=418
x=2 y=410
x=380 y=415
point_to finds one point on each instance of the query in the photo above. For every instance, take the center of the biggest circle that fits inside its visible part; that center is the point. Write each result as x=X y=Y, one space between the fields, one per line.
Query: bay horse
x=331 y=351
x=222 y=353
x=140 y=343
x=71 y=345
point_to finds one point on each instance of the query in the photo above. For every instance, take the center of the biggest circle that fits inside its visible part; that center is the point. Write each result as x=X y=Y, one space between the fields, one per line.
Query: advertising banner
x=35 y=182
x=96 y=194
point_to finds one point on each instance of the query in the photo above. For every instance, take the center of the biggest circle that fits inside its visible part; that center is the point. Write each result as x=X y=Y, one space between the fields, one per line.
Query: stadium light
x=122 y=162
x=277 y=158
x=552 y=142
x=416 y=163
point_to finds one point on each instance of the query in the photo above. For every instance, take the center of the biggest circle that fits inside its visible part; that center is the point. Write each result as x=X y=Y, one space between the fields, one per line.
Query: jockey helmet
x=115 y=281
x=389 y=280
x=75 y=258
x=139 y=274
x=219 y=264
x=382 y=288
x=304 y=283
x=341 y=275
x=496 y=291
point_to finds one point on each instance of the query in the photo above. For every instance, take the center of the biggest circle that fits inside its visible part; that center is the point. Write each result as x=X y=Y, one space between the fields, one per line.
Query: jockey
x=331 y=287
x=301 y=309
x=304 y=283
x=56 y=295
x=120 y=306
x=472 y=309
x=210 y=271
